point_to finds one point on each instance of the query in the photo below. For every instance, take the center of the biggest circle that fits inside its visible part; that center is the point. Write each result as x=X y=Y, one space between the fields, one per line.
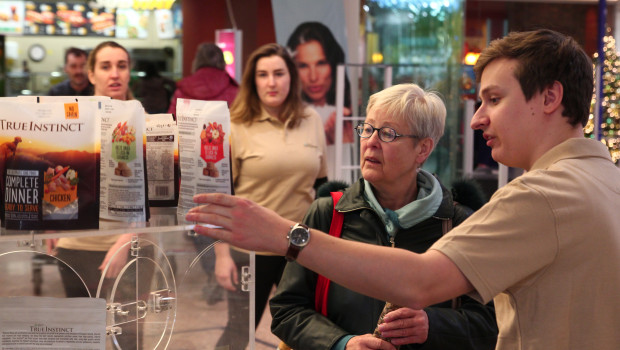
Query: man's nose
x=479 y=120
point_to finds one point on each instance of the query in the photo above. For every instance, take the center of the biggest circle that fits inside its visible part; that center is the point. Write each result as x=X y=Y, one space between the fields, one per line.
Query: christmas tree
x=609 y=128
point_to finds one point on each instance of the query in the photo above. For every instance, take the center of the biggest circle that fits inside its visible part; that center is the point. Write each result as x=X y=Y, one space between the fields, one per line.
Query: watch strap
x=293 y=250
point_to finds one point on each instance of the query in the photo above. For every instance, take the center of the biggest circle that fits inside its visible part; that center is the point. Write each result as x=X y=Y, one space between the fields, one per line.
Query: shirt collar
x=572 y=148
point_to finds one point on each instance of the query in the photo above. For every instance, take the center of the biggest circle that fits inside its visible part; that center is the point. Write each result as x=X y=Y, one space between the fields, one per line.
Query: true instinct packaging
x=49 y=165
x=204 y=131
x=162 y=160
x=123 y=193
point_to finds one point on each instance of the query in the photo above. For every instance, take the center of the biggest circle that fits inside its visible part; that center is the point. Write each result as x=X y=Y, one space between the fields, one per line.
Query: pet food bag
x=123 y=194
x=162 y=159
x=49 y=165
x=204 y=147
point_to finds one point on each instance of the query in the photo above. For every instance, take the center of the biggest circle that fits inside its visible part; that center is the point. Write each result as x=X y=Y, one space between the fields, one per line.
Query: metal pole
x=468 y=139
x=598 y=111
x=339 y=120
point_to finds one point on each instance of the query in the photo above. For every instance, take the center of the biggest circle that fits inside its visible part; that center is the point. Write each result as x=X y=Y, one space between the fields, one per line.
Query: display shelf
x=163 y=219
x=162 y=296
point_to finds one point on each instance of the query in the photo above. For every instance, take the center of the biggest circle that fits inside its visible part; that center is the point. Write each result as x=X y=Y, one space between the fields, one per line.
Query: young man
x=546 y=246
x=77 y=83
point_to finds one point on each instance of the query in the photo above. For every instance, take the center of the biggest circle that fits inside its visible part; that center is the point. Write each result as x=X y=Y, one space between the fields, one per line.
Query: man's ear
x=425 y=148
x=553 y=97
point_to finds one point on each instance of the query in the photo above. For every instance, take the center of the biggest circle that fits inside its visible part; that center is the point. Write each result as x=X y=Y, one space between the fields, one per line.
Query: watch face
x=299 y=236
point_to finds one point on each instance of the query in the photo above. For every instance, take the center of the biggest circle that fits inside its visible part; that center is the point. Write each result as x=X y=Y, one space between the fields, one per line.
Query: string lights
x=610 y=116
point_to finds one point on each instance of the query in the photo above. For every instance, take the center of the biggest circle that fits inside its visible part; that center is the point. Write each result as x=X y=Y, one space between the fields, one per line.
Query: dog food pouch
x=49 y=165
x=162 y=160
x=204 y=147
x=123 y=176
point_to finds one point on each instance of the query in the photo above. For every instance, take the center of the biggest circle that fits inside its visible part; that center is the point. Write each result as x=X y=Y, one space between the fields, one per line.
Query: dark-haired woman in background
x=317 y=55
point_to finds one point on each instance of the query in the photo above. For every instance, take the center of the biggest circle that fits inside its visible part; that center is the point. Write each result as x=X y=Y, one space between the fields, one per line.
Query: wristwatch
x=298 y=237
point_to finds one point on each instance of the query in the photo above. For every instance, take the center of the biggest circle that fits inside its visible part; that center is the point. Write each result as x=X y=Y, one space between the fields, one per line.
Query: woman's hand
x=225 y=267
x=120 y=259
x=51 y=244
x=405 y=326
x=330 y=128
x=367 y=342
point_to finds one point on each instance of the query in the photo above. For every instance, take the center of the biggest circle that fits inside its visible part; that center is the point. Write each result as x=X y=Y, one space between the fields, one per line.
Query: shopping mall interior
x=385 y=42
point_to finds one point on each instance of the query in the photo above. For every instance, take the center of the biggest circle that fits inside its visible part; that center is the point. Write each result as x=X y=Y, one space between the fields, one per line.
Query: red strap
x=322 y=283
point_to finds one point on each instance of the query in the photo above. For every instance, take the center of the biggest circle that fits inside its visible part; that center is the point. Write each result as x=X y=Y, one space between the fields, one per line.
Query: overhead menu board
x=132 y=24
x=11 y=17
x=60 y=18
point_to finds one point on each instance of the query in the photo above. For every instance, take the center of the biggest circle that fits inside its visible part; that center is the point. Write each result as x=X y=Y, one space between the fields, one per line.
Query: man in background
x=75 y=68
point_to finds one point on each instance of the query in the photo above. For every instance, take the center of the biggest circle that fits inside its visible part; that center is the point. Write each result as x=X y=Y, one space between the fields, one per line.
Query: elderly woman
x=395 y=203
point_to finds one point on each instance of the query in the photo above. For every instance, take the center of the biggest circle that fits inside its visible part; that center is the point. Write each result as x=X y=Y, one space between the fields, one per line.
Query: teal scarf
x=423 y=207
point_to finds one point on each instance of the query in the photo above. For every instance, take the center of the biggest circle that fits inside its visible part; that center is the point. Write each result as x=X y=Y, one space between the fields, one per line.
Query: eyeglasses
x=386 y=134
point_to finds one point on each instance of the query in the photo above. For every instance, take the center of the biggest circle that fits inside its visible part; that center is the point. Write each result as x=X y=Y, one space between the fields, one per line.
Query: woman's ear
x=424 y=148
x=553 y=97
x=91 y=77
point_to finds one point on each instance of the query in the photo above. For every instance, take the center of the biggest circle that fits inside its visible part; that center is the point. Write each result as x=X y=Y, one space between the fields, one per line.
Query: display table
x=171 y=306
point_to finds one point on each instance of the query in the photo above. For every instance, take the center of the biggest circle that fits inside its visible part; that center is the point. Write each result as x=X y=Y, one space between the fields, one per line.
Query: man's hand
x=240 y=222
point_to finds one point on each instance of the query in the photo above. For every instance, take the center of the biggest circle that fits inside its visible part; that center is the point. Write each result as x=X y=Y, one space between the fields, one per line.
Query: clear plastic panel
x=32 y=273
x=162 y=293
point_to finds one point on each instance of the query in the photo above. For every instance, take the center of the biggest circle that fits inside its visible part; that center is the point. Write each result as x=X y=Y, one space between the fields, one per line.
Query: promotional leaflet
x=29 y=323
x=204 y=147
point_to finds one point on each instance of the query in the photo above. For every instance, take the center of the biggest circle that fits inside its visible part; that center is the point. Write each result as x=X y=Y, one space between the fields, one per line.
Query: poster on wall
x=314 y=33
x=11 y=17
x=177 y=19
x=61 y=18
x=164 y=24
x=132 y=24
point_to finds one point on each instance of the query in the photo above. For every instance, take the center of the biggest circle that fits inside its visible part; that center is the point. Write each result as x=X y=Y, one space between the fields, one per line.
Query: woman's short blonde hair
x=424 y=111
